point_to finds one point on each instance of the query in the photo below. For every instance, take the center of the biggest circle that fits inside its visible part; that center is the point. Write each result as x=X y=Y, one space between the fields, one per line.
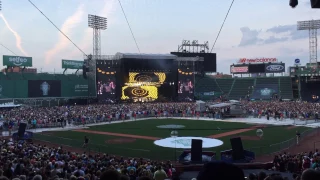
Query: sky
x=253 y=29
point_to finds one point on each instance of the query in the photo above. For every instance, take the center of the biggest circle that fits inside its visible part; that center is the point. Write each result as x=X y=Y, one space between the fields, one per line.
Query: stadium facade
x=179 y=76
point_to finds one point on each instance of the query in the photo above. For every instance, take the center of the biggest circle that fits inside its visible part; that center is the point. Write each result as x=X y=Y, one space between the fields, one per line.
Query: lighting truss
x=307 y=25
x=97 y=22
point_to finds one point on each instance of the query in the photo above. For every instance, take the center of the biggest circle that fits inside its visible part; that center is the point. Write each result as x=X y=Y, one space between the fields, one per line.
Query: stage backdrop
x=44 y=88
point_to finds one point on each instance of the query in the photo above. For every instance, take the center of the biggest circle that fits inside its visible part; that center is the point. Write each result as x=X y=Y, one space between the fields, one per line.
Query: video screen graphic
x=148 y=86
x=154 y=78
x=106 y=83
x=44 y=88
x=140 y=93
x=185 y=86
x=265 y=91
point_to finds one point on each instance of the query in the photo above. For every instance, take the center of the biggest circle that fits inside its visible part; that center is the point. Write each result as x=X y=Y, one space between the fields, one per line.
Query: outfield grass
x=146 y=148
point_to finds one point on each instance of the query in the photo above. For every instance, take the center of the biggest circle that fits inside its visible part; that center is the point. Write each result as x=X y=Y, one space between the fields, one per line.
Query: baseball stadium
x=170 y=112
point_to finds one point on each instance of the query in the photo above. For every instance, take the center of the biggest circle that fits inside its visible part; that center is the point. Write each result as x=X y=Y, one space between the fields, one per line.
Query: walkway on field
x=118 y=134
x=238 y=131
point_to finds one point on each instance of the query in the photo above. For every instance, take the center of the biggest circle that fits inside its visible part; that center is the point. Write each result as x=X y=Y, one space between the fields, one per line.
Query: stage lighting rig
x=315 y=4
x=293 y=3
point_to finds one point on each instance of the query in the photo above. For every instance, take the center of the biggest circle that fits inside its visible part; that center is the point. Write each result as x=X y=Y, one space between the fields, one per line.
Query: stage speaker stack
x=315 y=4
x=21 y=130
x=196 y=151
x=237 y=149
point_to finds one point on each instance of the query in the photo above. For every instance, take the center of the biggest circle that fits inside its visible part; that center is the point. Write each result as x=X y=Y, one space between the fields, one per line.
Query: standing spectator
x=160 y=174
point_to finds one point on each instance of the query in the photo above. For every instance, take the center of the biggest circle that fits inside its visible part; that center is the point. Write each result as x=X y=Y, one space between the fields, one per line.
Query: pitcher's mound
x=120 y=141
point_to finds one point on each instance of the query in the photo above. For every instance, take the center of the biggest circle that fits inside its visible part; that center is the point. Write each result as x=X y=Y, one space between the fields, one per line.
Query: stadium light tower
x=312 y=26
x=97 y=23
x=0 y=6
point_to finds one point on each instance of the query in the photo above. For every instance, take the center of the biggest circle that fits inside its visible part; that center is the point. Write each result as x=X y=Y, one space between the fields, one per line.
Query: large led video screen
x=106 y=83
x=140 y=93
x=256 y=68
x=209 y=62
x=148 y=86
x=185 y=85
x=265 y=91
x=44 y=88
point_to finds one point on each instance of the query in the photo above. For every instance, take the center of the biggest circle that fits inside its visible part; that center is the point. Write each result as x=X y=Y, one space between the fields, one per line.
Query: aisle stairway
x=241 y=88
x=225 y=84
x=286 y=91
x=206 y=84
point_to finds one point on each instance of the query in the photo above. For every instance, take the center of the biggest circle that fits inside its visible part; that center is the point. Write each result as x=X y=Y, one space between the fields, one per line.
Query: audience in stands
x=29 y=161
x=23 y=161
x=19 y=160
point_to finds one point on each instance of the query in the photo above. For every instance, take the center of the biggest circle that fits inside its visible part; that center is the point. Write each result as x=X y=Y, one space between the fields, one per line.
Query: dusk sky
x=254 y=28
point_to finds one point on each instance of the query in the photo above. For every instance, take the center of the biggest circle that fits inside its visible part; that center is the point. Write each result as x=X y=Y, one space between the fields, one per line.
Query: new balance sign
x=275 y=68
x=17 y=61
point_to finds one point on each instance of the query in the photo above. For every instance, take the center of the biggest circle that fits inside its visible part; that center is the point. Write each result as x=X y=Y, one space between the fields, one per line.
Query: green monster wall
x=70 y=87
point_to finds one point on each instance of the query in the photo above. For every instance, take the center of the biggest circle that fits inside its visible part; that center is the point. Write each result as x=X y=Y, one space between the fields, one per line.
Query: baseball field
x=136 y=138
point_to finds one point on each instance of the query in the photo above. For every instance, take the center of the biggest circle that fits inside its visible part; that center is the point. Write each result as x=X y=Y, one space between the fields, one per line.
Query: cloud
x=274 y=39
x=283 y=28
x=86 y=42
x=69 y=24
x=275 y=34
x=17 y=36
x=291 y=30
x=249 y=37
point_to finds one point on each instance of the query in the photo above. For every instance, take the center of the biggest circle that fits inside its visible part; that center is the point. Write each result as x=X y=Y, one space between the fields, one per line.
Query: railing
x=284 y=145
x=77 y=121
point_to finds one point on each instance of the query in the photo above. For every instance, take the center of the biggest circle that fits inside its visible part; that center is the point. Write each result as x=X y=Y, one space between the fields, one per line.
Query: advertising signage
x=71 y=64
x=257 y=60
x=239 y=69
x=258 y=68
x=275 y=68
x=17 y=61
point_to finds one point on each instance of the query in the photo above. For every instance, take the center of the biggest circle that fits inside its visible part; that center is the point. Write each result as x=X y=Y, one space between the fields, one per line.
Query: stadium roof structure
x=145 y=56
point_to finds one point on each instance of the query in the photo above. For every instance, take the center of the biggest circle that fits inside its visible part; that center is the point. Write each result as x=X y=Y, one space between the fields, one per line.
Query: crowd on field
x=62 y=115
x=285 y=109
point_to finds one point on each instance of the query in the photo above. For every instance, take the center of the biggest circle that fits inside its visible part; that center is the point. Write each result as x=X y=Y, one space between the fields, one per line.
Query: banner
x=257 y=60
x=17 y=61
x=71 y=64
x=239 y=69
x=208 y=93
x=275 y=68
x=44 y=88
x=13 y=89
x=75 y=88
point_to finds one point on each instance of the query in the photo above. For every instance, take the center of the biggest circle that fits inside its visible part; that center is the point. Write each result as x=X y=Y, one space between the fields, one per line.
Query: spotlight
x=293 y=3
